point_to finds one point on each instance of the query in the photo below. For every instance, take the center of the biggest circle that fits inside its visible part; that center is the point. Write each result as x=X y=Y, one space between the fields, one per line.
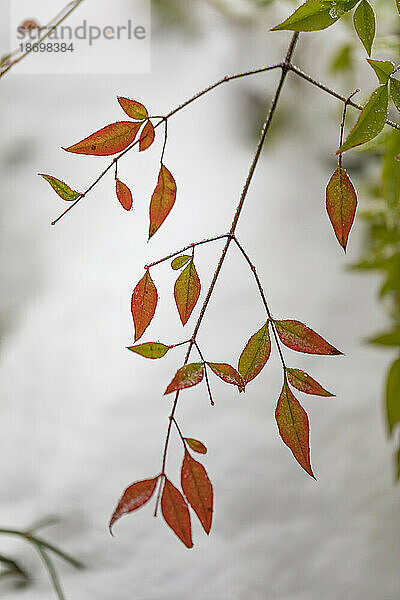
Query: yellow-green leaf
x=371 y=120
x=364 y=24
x=179 y=262
x=314 y=15
x=395 y=92
x=61 y=188
x=393 y=396
x=196 y=445
x=187 y=291
x=255 y=354
x=150 y=349
x=383 y=69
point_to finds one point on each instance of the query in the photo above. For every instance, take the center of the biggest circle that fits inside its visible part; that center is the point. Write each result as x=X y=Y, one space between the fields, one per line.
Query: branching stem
x=285 y=66
x=230 y=237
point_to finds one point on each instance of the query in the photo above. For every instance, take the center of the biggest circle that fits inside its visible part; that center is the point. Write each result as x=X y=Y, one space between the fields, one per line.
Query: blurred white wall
x=81 y=418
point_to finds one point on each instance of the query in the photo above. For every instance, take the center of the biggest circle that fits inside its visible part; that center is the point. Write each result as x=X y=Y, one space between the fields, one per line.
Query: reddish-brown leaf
x=133 y=109
x=162 y=200
x=196 y=445
x=186 y=377
x=341 y=204
x=299 y=337
x=133 y=498
x=294 y=428
x=227 y=374
x=176 y=513
x=305 y=383
x=255 y=354
x=146 y=137
x=187 y=291
x=109 y=140
x=124 y=194
x=198 y=490
x=144 y=303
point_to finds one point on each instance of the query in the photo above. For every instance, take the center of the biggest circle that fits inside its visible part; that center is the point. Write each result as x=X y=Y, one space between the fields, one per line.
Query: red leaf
x=133 y=109
x=198 y=490
x=162 y=201
x=124 y=194
x=294 y=428
x=255 y=354
x=176 y=513
x=133 y=498
x=109 y=140
x=187 y=291
x=196 y=446
x=144 y=303
x=227 y=374
x=146 y=137
x=341 y=204
x=186 y=377
x=299 y=337
x=305 y=383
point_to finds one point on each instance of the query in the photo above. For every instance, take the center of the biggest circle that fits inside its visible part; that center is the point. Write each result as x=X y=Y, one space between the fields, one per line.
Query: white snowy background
x=81 y=417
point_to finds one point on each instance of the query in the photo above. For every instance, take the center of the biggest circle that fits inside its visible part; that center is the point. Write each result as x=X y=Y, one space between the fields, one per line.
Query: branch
x=235 y=221
x=264 y=300
x=325 y=88
x=188 y=247
x=75 y=5
x=164 y=120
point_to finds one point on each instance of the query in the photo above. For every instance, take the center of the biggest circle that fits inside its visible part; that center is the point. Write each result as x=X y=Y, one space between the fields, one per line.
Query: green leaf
x=315 y=15
x=383 y=69
x=393 y=395
x=61 y=188
x=371 y=120
x=179 y=262
x=390 y=338
x=150 y=349
x=395 y=92
x=364 y=24
x=398 y=6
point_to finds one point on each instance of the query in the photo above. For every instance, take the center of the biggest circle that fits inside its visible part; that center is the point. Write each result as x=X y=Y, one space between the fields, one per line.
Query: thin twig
x=235 y=221
x=205 y=373
x=264 y=300
x=163 y=119
x=188 y=247
x=52 y=28
x=328 y=90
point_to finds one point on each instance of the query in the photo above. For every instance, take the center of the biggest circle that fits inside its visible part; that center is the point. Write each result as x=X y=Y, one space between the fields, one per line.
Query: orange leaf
x=176 y=513
x=186 y=377
x=305 y=383
x=255 y=355
x=187 y=291
x=294 y=428
x=299 y=337
x=198 y=490
x=144 y=303
x=133 y=498
x=227 y=374
x=162 y=200
x=341 y=204
x=109 y=140
x=146 y=137
x=124 y=194
x=133 y=109
x=196 y=446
